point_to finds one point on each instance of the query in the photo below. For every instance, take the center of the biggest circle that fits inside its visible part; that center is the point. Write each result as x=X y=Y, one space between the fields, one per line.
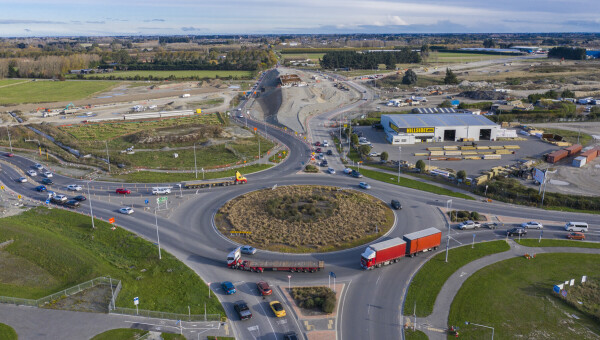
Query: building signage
x=412 y=130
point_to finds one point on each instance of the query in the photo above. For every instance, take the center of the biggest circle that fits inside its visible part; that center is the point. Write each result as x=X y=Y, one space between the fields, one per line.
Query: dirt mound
x=484 y=95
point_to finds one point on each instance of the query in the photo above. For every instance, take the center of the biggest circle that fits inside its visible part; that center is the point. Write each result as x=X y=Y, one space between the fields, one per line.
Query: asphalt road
x=371 y=307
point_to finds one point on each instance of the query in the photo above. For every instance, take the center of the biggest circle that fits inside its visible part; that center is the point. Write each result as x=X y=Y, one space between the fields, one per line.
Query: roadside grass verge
x=55 y=249
x=409 y=334
x=557 y=243
x=570 y=136
x=428 y=281
x=410 y=183
x=166 y=177
x=515 y=297
x=7 y=332
x=179 y=74
x=571 y=210
x=120 y=334
x=51 y=91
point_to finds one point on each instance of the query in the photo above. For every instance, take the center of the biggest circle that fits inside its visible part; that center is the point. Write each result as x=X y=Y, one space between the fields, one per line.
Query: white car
x=126 y=211
x=22 y=179
x=532 y=225
x=469 y=225
x=374 y=154
x=74 y=187
x=38 y=166
x=325 y=143
x=331 y=171
x=31 y=173
x=47 y=174
x=347 y=171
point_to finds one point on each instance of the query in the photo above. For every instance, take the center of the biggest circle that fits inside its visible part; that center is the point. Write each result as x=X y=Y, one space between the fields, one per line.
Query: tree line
x=575 y=53
x=368 y=60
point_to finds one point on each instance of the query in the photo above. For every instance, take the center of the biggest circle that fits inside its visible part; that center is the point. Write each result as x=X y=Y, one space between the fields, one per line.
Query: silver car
x=469 y=225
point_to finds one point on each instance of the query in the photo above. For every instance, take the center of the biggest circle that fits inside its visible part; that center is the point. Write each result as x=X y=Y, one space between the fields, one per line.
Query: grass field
x=557 y=243
x=516 y=298
x=415 y=335
x=164 y=177
x=51 y=91
x=6 y=82
x=121 y=334
x=200 y=74
x=428 y=281
x=410 y=183
x=311 y=56
x=7 y=332
x=55 y=249
x=449 y=57
x=570 y=136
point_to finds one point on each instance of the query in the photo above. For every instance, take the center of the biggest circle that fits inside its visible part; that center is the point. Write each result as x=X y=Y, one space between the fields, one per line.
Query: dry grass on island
x=303 y=219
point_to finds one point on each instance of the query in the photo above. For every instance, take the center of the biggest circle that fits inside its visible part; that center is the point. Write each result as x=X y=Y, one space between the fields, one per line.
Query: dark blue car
x=40 y=188
x=47 y=181
x=228 y=287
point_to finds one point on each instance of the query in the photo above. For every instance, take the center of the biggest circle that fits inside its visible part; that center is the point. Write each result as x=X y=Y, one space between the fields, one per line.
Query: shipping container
x=590 y=154
x=580 y=161
x=383 y=253
x=421 y=241
x=573 y=149
x=556 y=156
x=492 y=156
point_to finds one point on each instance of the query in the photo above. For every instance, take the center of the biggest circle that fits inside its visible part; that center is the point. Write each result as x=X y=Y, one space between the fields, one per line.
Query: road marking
x=378 y=278
x=265 y=313
x=281 y=322
x=308 y=326
x=253 y=328
x=463 y=274
x=330 y=324
x=341 y=311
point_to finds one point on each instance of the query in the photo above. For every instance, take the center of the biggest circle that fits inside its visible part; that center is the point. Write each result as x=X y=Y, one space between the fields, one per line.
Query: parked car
x=21 y=179
x=248 y=250
x=364 y=185
x=72 y=204
x=126 y=210
x=517 y=232
x=263 y=288
x=277 y=309
x=347 y=171
x=31 y=173
x=290 y=336
x=317 y=143
x=242 y=310
x=329 y=152
x=123 y=191
x=469 y=225
x=324 y=163
x=325 y=143
x=40 y=188
x=48 y=174
x=80 y=198
x=576 y=236
x=38 y=166
x=318 y=150
x=532 y=225
x=374 y=154
x=228 y=287
x=396 y=204
x=356 y=174
x=74 y=187
x=331 y=171
x=47 y=181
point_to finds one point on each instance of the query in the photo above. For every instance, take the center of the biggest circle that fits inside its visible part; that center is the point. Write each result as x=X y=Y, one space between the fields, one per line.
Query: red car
x=263 y=288
x=123 y=191
x=318 y=144
x=9 y=154
x=576 y=236
x=318 y=150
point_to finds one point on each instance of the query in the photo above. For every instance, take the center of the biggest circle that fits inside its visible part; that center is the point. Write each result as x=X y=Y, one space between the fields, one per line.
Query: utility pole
x=448 y=206
x=157 y=237
x=400 y=152
x=195 y=164
x=9 y=140
x=90 y=200
x=107 y=155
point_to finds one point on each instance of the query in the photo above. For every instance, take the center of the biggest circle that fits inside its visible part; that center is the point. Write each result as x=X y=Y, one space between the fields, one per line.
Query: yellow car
x=277 y=308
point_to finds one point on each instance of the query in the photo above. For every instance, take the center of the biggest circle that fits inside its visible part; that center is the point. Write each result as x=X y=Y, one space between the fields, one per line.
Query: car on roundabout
x=364 y=185
x=31 y=173
x=277 y=309
x=39 y=166
x=576 y=236
x=521 y=232
x=74 y=187
x=228 y=287
x=126 y=210
x=73 y=204
x=396 y=205
x=532 y=225
x=331 y=171
x=123 y=191
x=80 y=198
x=40 y=188
x=469 y=225
x=48 y=174
x=22 y=179
x=47 y=181
x=9 y=154
x=248 y=250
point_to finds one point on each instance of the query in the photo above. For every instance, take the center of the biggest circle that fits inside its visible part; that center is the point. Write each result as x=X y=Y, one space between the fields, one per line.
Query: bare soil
x=95 y=299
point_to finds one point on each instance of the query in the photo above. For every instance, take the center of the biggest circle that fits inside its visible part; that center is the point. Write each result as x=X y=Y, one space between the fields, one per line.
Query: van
x=576 y=226
x=161 y=191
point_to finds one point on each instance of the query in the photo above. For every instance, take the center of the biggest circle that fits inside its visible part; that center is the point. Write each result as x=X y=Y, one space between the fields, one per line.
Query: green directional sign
x=160 y=200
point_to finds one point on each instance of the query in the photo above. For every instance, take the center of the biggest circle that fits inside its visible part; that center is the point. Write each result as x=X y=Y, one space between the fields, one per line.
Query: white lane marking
x=378 y=278
x=338 y=335
x=264 y=313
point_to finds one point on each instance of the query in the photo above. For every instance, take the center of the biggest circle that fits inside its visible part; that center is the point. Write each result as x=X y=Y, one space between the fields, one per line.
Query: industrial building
x=290 y=80
x=434 y=110
x=418 y=128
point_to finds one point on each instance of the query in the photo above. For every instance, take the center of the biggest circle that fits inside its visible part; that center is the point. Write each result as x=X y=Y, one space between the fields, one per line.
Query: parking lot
x=531 y=148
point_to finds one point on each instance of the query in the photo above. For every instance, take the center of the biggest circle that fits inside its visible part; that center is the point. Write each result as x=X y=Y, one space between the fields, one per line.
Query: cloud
x=155 y=20
x=192 y=28
x=95 y=22
x=155 y=28
x=17 y=22
x=27 y=30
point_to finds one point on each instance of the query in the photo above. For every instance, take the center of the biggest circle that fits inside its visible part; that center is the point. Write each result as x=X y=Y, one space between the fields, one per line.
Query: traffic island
x=304 y=219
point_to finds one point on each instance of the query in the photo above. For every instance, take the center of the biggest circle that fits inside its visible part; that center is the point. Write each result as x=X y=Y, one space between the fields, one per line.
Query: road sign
x=47 y=201
x=136 y=300
x=161 y=199
x=111 y=220
x=146 y=201
x=2 y=187
x=19 y=196
x=564 y=293
x=332 y=274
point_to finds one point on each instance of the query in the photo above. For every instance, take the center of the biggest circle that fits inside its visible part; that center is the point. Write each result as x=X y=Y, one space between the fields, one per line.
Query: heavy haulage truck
x=235 y=261
x=390 y=251
x=239 y=179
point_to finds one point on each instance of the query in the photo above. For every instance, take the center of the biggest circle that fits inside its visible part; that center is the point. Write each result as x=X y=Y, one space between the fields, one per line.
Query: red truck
x=383 y=253
x=235 y=261
x=422 y=241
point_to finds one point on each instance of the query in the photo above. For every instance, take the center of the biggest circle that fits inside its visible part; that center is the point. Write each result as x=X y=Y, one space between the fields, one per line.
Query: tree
x=446 y=103
x=421 y=165
x=13 y=71
x=410 y=77
x=384 y=156
x=354 y=139
x=489 y=43
x=425 y=51
x=567 y=94
x=364 y=150
x=461 y=174
x=450 y=77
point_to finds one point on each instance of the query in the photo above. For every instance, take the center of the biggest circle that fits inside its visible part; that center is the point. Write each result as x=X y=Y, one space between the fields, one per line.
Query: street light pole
x=107 y=155
x=448 y=205
x=475 y=324
x=90 y=200
x=195 y=164
x=157 y=237
x=9 y=141
x=399 y=159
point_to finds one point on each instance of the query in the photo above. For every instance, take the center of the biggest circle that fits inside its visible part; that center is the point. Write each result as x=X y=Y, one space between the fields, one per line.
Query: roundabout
x=304 y=219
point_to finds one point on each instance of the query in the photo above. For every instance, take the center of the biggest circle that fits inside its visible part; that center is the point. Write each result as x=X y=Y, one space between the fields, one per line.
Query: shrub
x=311 y=168
x=475 y=216
x=421 y=165
x=384 y=156
x=329 y=305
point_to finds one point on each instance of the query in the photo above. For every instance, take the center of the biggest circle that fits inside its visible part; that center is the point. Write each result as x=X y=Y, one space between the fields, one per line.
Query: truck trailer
x=235 y=261
x=422 y=241
x=239 y=179
x=383 y=253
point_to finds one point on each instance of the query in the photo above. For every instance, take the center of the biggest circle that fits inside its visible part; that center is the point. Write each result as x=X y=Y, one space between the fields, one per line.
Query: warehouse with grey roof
x=422 y=128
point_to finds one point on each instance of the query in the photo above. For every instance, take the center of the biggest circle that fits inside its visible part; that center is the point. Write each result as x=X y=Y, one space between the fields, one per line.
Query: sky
x=199 y=17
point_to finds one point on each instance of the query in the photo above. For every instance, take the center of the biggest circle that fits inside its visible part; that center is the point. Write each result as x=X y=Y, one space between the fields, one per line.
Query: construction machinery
x=239 y=179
